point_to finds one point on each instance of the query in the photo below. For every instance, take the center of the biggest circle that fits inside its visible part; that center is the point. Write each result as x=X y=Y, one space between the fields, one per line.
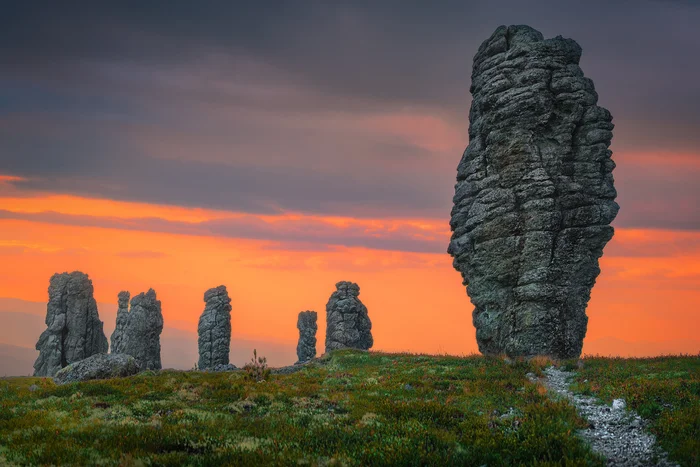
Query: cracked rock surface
x=138 y=330
x=74 y=330
x=347 y=321
x=214 y=329
x=306 y=324
x=617 y=434
x=98 y=366
x=117 y=338
x=534 y=197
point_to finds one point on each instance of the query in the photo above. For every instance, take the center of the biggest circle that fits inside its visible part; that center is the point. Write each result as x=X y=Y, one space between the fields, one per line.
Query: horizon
x=200 y=148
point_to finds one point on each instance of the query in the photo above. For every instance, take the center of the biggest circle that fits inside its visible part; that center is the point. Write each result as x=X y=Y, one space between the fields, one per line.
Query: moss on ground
x=663 y=390
x=352 y=408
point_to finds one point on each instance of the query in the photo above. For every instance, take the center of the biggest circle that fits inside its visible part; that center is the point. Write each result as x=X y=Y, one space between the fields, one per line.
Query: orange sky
x=278 y=167
x=648 y=291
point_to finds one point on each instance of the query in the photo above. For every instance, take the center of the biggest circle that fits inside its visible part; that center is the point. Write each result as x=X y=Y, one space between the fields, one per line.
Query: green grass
x=663 y=390
x=353 y=408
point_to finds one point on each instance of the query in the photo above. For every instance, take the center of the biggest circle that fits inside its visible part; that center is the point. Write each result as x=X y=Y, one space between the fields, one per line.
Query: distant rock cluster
x=306 y=324
x=74 y=330
x=215 y=329
x=534 y=197
x=347 y=322
x=74 y=347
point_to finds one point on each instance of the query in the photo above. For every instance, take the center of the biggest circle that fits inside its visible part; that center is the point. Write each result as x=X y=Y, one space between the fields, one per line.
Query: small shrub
x=256 y=369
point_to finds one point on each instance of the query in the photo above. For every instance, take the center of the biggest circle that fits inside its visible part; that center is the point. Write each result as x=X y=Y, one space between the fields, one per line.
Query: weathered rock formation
x=534 y=196
x=139 y=333
x=74 y=330
x=306 y=324
x=215 y=329
x=117 y=340
x=99 y=366
x=347 y=322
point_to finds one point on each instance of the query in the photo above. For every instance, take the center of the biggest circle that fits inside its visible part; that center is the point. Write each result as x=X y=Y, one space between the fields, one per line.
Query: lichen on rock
x=116 y=340
x=214 y=329
x=534 y=197
x=347 y=322
x=74 y=330
x=307 y=326
x=98 y=366
x=138 y=332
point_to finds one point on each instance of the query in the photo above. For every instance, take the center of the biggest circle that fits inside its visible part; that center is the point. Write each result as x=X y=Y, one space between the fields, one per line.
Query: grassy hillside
x=664 y=390
x=352 y=408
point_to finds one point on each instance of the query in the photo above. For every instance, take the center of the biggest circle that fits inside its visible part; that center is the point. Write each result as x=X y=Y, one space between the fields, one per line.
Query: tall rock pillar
x=347 y=321
x=74 y=330
x=534 y=197
x=215 y=329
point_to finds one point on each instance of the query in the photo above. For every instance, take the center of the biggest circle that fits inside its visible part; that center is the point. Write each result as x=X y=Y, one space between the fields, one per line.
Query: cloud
x=22 y=247
x=364 y=113
x=298 y=231
x=353 y=174
x=653 y=243
x=8 y=179
x=284 y=231
x=297 y=246
x=392 y=51
x=658 y=191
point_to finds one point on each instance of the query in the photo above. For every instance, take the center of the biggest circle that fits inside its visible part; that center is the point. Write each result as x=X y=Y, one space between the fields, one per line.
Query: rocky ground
x=615 y=432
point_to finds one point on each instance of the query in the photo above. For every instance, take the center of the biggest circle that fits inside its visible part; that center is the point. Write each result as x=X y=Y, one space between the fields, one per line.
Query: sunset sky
x=279 y=149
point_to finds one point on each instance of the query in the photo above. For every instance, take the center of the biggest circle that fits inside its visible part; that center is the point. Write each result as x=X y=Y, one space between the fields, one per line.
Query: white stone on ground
x=617 y=434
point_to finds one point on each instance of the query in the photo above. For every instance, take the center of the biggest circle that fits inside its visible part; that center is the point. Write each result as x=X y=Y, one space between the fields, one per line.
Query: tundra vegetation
x=665 y=391
x=348 y=408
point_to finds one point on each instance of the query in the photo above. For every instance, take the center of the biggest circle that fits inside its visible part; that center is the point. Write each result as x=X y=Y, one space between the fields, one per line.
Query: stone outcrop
x=117 y=338
x=347 y=322
x=306 y=324
x=99 y=366
x=74 y=330
x=223 y=367
x=139 y=333
x=534 y=197
x=215 y=329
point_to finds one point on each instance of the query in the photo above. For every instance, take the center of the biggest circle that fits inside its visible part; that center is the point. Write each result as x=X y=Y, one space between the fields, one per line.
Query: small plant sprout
x=257 y=369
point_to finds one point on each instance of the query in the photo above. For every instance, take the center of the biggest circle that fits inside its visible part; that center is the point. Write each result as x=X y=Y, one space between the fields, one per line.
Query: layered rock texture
x=215 y=329
x=534 y=196
x=307 y=326
x=99 y=366
x=138 y=330
x=117 y=339
x=347 y=321
x=74 y=330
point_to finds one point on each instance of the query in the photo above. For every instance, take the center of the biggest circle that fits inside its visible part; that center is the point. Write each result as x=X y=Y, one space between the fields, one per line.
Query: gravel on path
x=614 y=432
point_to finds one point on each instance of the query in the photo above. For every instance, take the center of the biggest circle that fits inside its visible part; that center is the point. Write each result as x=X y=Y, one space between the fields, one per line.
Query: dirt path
x=614 y=432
